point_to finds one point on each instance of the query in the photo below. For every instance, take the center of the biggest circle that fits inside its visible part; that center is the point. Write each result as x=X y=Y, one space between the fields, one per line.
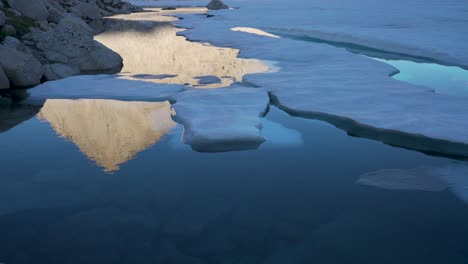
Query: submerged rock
x=217 y=5
x=22 y=69
x=392 y=179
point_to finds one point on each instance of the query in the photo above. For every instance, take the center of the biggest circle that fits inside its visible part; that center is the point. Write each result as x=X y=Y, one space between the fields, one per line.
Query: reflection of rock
x=12 y=115
x=107 y=131
x=153 y=48
x=392 y=179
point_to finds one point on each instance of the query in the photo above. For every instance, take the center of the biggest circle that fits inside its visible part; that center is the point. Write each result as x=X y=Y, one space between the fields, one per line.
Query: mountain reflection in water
x=150 y=46
x=109 y=132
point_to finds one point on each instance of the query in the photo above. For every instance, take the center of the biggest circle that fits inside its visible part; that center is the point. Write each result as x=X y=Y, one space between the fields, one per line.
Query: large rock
x=8 y=30
x=4 y=83
x=72 y=41
x=35 y=9
x=59 y=71
x=217 y=5
x=11 y=42
x=2 y=18
x=89 y=11
x=22 y=69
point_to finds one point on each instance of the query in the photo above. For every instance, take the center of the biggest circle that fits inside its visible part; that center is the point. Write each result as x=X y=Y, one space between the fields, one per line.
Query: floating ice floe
x=222 y=119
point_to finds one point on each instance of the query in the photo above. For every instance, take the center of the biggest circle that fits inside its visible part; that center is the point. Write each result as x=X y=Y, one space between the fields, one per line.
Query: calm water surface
x=295 y=200
x=103 y=181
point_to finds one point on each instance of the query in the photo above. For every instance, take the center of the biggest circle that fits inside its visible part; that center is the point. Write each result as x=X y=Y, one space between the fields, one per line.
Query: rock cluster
x=44 y=40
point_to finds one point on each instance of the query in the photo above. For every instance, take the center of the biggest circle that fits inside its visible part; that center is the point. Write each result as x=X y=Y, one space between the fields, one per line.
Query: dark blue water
x=295 y=200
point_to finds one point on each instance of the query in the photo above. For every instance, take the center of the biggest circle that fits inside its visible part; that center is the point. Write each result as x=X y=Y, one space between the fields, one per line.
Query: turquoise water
x=443 y=79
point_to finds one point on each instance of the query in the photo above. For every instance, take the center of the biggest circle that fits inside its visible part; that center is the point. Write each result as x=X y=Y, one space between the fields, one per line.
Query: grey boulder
x=22 y=69
x=8 y=30
x=35 y=9
x=58 y=71
x=73 y=42
x=4 y=83
x=217 y=5
x=11 y=42
x=2 y=18
x=89 y=11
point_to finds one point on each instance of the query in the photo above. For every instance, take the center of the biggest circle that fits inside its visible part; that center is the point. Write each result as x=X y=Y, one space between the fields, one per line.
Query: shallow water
x=443 y=79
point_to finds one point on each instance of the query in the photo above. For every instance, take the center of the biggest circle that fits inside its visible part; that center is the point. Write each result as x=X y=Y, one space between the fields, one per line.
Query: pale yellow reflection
x=152 y=51
x=107 y=131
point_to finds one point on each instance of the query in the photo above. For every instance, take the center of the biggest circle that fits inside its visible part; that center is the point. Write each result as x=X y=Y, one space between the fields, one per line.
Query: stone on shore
x=4 y=83
x=35 y=9
x=87 y=11
x=2 y=18
x=58 y=71
x=71 y=41
x=217 y=5
x=14 y=43
x=22 y=69
x=8 y=30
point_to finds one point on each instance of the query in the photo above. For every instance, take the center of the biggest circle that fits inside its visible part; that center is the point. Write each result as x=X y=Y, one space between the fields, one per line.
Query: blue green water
x=443 y=79
x=295 y=200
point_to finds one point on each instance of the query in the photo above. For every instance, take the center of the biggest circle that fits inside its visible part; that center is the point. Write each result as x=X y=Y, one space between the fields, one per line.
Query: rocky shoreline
x=45 y=40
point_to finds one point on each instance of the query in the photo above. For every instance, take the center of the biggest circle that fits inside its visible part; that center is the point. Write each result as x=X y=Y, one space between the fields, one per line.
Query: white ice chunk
x=222 y=119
